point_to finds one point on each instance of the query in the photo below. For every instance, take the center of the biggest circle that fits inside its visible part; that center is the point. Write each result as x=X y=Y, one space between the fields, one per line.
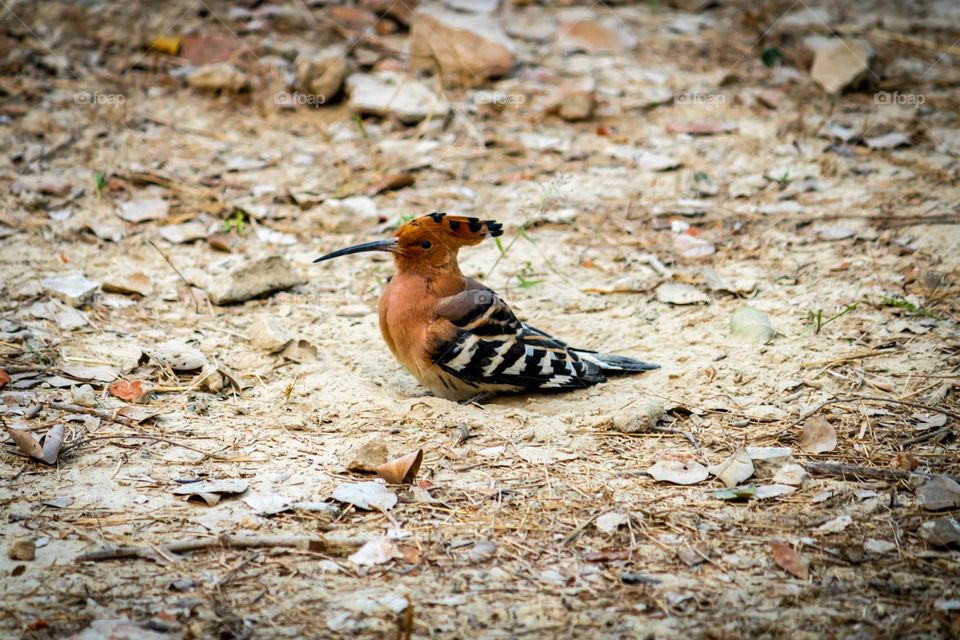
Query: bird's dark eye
x=426 y=244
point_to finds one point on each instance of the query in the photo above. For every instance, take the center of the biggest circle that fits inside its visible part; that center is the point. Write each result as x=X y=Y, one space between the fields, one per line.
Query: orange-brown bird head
x=428 y=242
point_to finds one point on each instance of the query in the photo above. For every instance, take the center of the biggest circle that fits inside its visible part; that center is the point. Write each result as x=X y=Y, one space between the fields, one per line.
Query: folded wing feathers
x=492 y=347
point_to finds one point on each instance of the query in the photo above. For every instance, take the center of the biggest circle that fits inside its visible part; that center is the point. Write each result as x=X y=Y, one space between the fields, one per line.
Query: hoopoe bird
x=455 y=335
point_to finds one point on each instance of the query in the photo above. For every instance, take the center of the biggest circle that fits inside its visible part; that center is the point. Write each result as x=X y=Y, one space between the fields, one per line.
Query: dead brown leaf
x=392 y=182
x=46 y=449
x=130 y=391
x=818 y=435
x=402 y=470
x=789 y=560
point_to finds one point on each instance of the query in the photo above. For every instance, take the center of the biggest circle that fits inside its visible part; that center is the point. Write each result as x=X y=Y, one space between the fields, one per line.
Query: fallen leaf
x=300 y=351
x=736 y=493
x=392 y=182
x=790 y=473
x=377 y=550
x=267 y=505
x=678 y=472
x=818 y=435
x=611 y=521
x=878 y=547
x=45 y=449
x=888 y=141
x=788 y=559
x=836 y=525
x=366 y=495
x=130 y=391
x=765 y=491
x=4 y=378
x=402 y=470
x=210 y=491
x=751 y=325
x=100 y=373
x=938 y=493
x=679 y=293
x=734 y=469
x=144 y=209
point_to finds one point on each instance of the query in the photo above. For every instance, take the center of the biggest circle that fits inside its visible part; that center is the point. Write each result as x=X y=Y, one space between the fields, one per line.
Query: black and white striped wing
x=492 y=347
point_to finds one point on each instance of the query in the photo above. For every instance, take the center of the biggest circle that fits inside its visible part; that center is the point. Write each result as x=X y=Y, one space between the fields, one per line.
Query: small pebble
x=22 y=549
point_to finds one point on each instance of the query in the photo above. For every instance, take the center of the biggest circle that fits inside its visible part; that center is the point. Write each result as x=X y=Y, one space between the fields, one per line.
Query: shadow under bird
x=455 y=335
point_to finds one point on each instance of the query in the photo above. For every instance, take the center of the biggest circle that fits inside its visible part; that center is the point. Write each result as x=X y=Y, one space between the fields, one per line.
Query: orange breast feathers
x=408 y=321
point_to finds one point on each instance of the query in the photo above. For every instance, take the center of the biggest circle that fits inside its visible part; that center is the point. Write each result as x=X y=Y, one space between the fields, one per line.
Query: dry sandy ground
x=507 y=532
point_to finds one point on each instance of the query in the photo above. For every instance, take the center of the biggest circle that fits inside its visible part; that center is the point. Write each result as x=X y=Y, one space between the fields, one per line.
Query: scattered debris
x=403 y=470
x=74 y=289
x=939 y=493
x=679 y=293
x=366 y=495
x=788 y=559
x=751 y=325
x=144 y=209
x=210 y=491
x=679 y=471
x=734 y=469
x=818 y=435
x=388 y=93
x=45 y=449
x=465 y=50
x=255 y=279
x=22 y=549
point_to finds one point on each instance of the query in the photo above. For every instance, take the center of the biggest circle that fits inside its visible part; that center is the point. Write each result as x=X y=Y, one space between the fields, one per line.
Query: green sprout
x=524 y=276
x=235 y=223
x=819 y=322
x=906 y=305
x=101 y=178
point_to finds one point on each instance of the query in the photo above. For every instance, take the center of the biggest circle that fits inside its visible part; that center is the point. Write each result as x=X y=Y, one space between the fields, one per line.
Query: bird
x=456 y=336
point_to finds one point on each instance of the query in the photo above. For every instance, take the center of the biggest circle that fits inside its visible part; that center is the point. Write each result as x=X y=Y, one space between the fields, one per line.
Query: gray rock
x=465 y=49
x=938 y=493
x=22 y=549
x=320 y=74
x=267 y=334
x=74 y=289
x=255 y=279
x=389 y=93
x=144 y=209
x=838 y=64
x=219 y=76
x=942 y=532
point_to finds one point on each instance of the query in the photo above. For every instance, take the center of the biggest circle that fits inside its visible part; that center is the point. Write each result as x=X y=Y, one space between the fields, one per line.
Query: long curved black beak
x=378 y=245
